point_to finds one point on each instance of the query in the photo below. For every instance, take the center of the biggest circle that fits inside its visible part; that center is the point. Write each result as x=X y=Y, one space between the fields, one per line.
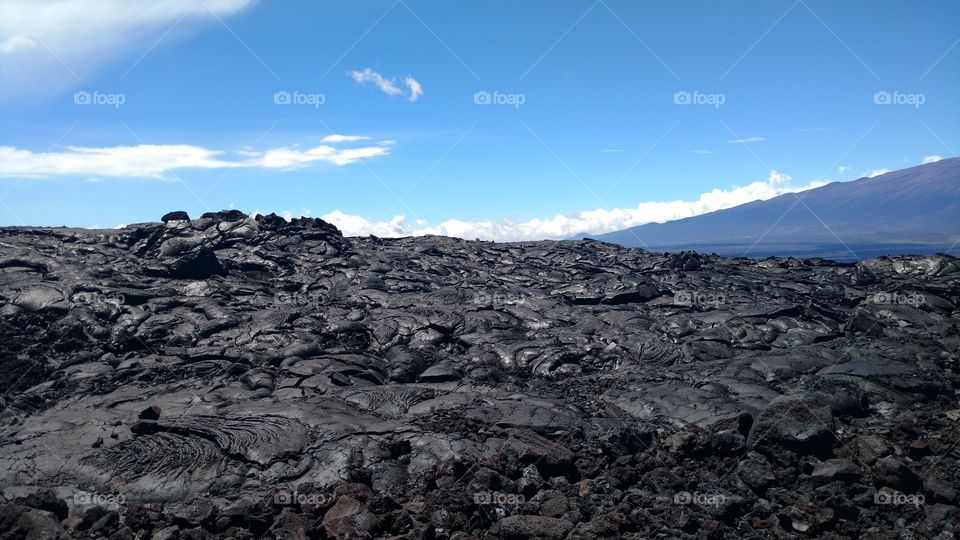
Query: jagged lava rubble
x=237 y=377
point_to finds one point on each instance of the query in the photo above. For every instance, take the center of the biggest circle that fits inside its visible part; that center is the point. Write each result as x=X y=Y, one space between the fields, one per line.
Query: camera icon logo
x=682 y=98
x=82 y=98
x=882 y=98
x=683 y=497
x=282 y=98
x=283 y=498
x=482 y=98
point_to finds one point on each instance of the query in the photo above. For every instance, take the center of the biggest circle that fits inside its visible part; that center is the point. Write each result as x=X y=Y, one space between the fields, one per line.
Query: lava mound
x=249 y=377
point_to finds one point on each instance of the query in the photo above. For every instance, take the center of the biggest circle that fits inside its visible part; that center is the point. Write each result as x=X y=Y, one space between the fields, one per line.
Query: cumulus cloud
x=877 y=172
x=931 y=159
x=747 y=140
x=388 y=86
x=560 y=226
x=156 y=161
x=48 y=45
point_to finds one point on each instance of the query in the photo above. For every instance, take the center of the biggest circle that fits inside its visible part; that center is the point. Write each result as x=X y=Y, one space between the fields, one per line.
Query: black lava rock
x=247 y=377
x=150 y=413
x=178 y=215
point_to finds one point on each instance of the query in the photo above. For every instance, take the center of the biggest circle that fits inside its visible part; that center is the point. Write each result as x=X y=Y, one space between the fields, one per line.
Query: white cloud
x=593 y=221
x=613 y=150
x=877 y=172
x=701 y=151
x=155 y=161
x=416 y=89
x=388 y=86
x=932 y=159
x=778 y=179
x=842 y=169
x=747 y=140
x=46 y=46
x=17 y=43
x=291 y=158
x=343 y=138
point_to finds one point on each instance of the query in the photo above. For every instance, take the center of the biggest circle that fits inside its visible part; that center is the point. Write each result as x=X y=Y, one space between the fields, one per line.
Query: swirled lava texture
x=232 y=376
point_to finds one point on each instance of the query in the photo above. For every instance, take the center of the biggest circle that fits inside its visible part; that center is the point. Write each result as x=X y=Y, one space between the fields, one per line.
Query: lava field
x=249 y=377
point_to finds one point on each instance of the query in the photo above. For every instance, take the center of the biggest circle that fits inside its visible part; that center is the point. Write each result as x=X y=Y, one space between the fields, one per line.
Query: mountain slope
x=905 y=211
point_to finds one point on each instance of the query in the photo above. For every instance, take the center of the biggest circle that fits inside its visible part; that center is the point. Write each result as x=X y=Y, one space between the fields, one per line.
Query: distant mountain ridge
x=914 y=210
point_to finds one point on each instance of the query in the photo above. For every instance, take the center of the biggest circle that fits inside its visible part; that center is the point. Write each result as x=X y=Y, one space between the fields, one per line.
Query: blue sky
x=604 y=114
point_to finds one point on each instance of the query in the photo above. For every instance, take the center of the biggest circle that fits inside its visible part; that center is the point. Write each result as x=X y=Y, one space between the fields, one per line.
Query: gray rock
x=833 y=470
x=799 y=424
x=517 y=527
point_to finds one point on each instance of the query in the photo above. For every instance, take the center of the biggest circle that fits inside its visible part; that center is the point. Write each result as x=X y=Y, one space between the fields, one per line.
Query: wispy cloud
x=877 y=172
x=388 y=86
x=289 y=158
x=17 y=43
x=46 y=46
x=335 y=138
x=701 y=151
x=747 y=140
x=416 y=89
x=157 y=161
x=560 y=226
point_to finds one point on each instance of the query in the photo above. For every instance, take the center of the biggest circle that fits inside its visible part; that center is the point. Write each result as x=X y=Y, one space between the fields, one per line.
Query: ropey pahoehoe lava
x=241 y=377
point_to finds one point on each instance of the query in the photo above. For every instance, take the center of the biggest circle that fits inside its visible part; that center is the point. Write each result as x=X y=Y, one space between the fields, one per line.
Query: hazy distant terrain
x=910 y=211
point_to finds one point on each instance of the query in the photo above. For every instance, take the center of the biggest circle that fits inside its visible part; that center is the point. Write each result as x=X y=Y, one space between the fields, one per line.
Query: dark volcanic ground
x=231 y=377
